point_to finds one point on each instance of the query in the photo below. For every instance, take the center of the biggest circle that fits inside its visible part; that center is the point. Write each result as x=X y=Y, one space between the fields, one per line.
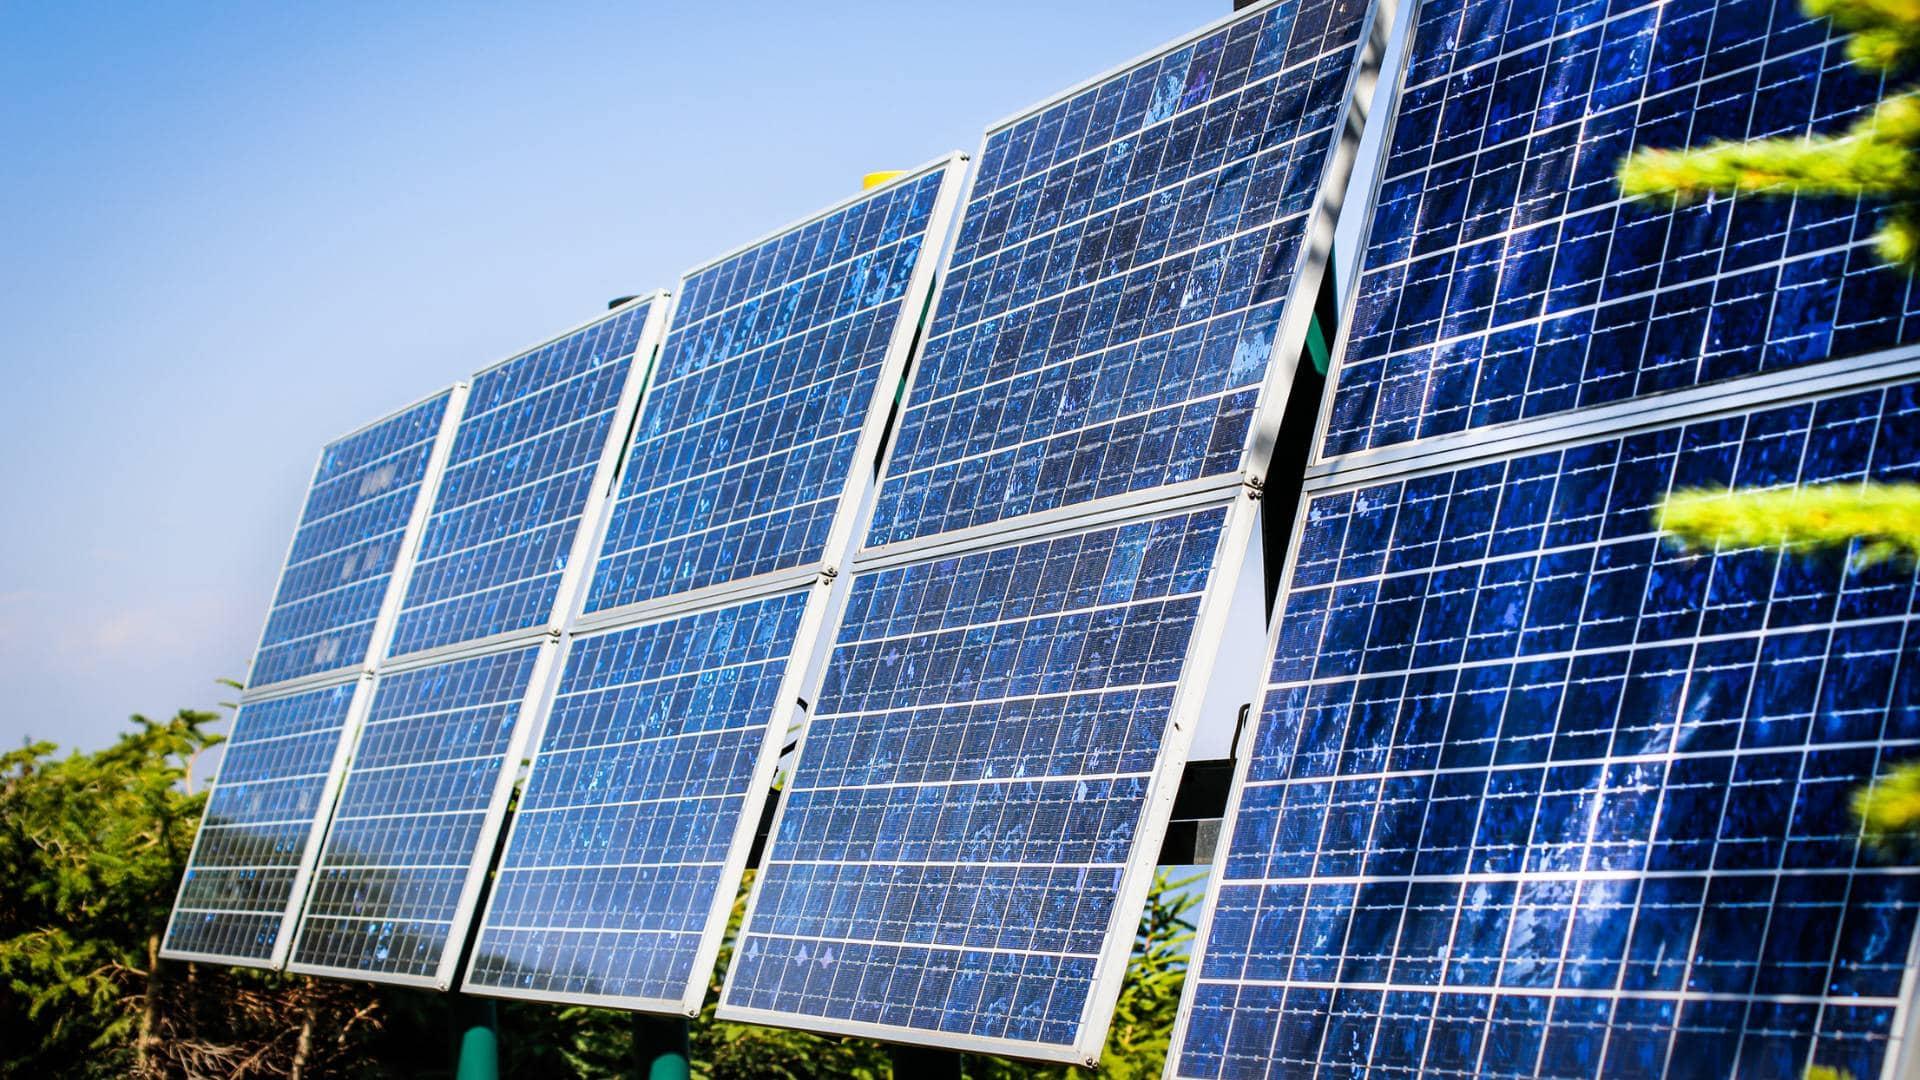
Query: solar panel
x=412 y=834
x=1504 y=277
x=538 y=436
x=970 y=800
x=261 y=828
x=353 y=529
x=626 y=849
x=765 y=398
x=1122 y=277
x=1533 y=794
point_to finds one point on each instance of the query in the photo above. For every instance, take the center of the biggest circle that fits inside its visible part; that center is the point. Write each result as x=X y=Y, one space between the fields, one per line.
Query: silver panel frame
x=1238 y=490
x=539 y=687
x=828 y=587
x=820 y=600
x=403 y=559
x=1241 y=512
x=929 y=271
x=639 y=368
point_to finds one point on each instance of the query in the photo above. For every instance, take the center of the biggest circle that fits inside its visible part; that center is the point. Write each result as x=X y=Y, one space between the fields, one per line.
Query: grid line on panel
x=764 y=391
x=262 y=819
x=1533 y=793
x=615 y=872
x=1120 y=277
x=1505 y=278
x=951 y=844
x=416 y=809
x=347 y=545
x=518 y=484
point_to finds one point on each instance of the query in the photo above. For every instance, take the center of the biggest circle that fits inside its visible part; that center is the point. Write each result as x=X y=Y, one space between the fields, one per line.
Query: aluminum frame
x=1184 y=717
x=646 y=350
x=820 y=602
x=402 y=570
x=310 y=849
x=1311 y=264
x=526 y=720
x=897 y=366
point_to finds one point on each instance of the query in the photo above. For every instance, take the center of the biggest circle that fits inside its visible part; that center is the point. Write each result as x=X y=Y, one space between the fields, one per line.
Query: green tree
x=91 y=847
x=1874 y=159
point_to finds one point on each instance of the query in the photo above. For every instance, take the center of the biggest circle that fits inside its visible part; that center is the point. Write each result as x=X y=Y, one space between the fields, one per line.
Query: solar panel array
x=431 y=772
x=966 y=839
x=348 y=546
x=1530 y=792
x=261 y=825
x=764 y=390
x=626 y=853
x=533 y=441
x=1533 y=793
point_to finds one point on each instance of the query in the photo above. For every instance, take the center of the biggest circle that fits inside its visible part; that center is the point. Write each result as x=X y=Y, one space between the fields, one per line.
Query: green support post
x=660 y=1047
x=476 y=1027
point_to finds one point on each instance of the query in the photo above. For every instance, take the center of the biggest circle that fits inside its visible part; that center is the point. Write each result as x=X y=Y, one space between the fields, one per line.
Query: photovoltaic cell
x=533 y=437
x=412 y=830
x=348 y=543
x=765 y=383
x=1119 y=278
x=616 y=869
x=263 y=819
x=1504 y=277
x=947 y=862
x=1534 y=794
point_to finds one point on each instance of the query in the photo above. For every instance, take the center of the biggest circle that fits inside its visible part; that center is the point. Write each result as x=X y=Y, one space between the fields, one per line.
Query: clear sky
x=230 y=233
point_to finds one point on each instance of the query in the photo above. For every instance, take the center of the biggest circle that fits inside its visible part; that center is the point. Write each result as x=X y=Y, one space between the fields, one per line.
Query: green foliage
x=1882 y=519
x=91 y=851
x=1874 y=159
x=1823 y=1072
x=91 y=846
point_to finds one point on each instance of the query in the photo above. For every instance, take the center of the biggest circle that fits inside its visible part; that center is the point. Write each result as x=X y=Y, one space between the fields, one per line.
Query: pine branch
x=1883 y=518
x=1841 y=165
x=1886 y=33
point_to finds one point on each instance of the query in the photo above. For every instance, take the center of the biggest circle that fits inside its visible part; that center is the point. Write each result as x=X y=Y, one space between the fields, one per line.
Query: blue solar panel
x=949 y=859
x=349 y=540
x=1535 y=794
x=766 y=383
x=625 y=853
x=261 y=824
x=1503 y=276
x=534 y=438
x=413 y=829
x=1120 y=276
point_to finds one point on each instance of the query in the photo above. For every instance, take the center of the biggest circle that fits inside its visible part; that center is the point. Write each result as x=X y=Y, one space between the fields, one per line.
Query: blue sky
x=232 y=233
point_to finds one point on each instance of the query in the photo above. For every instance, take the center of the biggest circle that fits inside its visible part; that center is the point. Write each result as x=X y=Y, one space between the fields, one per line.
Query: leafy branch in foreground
x=1874 y=159
x=1883 y=518
x=1875 y=523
